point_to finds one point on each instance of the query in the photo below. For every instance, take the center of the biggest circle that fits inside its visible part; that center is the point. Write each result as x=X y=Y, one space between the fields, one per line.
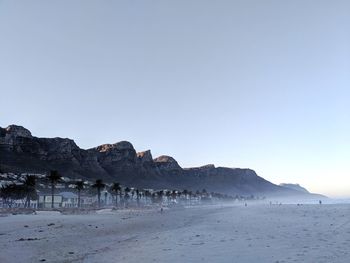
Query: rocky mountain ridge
x=296 y=187
x=22 y=152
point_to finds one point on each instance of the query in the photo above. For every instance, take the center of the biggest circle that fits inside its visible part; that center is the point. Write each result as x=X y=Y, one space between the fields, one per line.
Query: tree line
x=121 y=195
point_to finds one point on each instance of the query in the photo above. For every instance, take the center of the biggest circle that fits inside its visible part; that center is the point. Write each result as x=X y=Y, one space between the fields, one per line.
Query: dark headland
x=20 y=152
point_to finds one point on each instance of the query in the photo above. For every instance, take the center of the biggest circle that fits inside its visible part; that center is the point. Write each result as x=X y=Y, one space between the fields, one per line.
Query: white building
x=45 y=201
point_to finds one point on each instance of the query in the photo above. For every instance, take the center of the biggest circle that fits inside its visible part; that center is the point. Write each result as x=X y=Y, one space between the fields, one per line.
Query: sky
x=252 y=84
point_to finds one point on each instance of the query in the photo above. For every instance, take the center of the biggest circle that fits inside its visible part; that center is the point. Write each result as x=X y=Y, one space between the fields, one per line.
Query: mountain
x=302 y=190
x=22 y=152
x=296 y=187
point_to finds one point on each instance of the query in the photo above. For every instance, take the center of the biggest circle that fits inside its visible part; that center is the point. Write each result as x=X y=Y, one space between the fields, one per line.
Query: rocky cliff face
x=145 y=157
x=22 y=152
x=167 y=164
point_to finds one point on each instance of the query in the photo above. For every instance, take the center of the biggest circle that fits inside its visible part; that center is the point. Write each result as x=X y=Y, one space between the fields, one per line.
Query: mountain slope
x=302 y=190
x=22 y=152
x=296 y=187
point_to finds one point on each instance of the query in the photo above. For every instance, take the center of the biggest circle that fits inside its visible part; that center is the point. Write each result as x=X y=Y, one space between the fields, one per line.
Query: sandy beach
x=256 y=233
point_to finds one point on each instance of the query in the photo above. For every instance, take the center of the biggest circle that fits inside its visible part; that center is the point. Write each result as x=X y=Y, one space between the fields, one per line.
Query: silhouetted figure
x=320 y=202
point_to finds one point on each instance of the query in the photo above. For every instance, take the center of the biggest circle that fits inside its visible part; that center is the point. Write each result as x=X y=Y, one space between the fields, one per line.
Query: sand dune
x=257 y=233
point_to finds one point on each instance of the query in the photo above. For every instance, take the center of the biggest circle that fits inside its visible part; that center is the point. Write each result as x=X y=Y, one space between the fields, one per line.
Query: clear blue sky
x=258 y=84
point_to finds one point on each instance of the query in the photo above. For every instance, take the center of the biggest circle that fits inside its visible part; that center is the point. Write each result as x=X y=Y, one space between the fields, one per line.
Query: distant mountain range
x=296 y=187
x=21 y=152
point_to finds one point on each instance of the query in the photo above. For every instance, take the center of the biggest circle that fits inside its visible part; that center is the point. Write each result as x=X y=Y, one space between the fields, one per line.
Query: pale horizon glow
x=251 y=84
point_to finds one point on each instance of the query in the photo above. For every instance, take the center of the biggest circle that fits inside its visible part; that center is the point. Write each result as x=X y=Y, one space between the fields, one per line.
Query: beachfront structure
x=69 y=199
x=45 y=201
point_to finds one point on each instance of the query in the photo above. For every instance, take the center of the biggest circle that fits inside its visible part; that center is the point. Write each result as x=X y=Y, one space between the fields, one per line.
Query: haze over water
x=258 y=84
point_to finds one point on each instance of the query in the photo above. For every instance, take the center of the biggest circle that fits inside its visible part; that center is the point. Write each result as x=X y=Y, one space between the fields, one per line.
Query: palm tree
x=198 y=195
x=54 y=177
x=160 y=196
x=106 y=195
x=99 y=185
x=153 y=197
x=5 y=194
x=127 y=190
x=168 y=195
x=79 y=185
x=29 y=188
x=147 y=194
x=138 y=197
x=185 y=193
x=116 y=189
x=12 y=192
x=174 y=195
x=190 y=196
